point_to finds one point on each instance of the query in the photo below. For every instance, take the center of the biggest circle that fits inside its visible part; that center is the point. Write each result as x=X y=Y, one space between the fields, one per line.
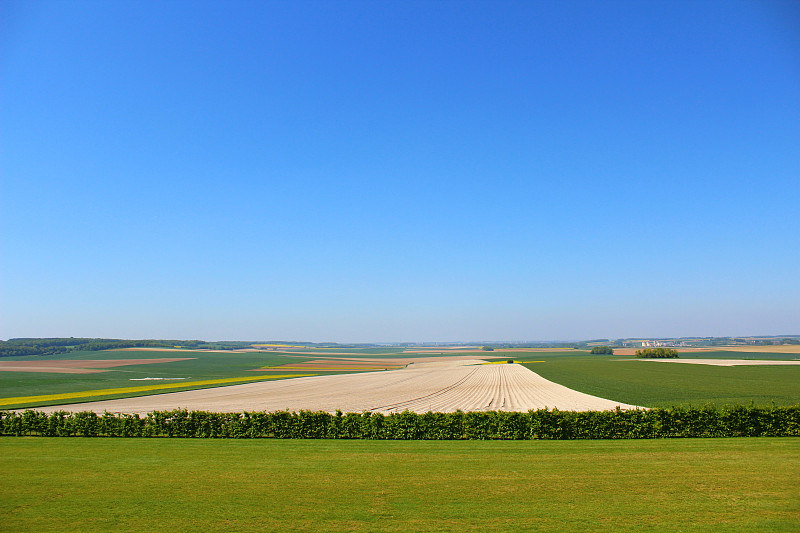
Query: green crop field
x=204 y=366
x=659 y=384
x=108 y=484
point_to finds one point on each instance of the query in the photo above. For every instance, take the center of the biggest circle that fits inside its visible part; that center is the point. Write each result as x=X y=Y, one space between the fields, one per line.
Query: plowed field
x=445 y=386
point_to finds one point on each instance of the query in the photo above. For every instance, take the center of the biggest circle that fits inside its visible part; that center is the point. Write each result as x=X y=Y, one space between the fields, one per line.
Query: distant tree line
x=59 y=345
x=657 y=353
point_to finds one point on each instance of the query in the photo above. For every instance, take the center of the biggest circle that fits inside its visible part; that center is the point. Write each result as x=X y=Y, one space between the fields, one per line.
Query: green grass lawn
x=75 y=484
x=659 y=384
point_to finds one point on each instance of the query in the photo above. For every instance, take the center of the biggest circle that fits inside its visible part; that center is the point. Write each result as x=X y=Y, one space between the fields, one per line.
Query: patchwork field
x=187 y=370
x=351 y=364
x=632 y=382
x=139 y=389
x=691 y=485
x=81 y=366
x=446 y=385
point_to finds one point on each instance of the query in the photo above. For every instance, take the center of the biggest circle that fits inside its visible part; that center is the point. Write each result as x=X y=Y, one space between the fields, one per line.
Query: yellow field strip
x=505 y=362
x=277 y=346
x=335 y=369
x=145 y=388
x=496 y=363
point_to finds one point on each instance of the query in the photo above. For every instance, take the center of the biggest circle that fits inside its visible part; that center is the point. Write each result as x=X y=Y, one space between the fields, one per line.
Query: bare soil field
x=777 y=348
x=440 y=386
x=339 y=365
x=80 y=366
x=377 y=363
x=722 y=362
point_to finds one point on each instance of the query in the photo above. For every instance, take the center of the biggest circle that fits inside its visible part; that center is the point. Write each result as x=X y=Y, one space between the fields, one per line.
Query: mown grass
x=659 y=384
x=211 y=485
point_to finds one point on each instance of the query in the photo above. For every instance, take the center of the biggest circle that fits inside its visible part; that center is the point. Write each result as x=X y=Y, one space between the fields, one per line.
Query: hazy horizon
x=355 y=171
x=441 y=342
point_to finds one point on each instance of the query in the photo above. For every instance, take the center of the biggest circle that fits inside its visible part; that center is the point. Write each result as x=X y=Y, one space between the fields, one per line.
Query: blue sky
x=399 y=171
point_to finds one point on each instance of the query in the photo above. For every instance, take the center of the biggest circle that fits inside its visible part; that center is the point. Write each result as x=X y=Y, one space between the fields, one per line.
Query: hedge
x=727 y=421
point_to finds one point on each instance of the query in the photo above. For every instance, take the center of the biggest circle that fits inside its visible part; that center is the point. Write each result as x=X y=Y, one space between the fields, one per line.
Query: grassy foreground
x=290 y=485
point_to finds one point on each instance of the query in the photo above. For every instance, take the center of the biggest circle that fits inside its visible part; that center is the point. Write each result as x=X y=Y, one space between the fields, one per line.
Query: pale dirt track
x=444 y=386
x=722 y=362
x=775 y=348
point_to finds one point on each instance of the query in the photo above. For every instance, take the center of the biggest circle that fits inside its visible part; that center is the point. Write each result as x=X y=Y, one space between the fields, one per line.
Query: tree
x=657 y=353
x=602 y=350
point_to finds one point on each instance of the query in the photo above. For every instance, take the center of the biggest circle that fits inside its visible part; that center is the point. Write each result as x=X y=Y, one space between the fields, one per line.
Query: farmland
x=617 y=378
x=189 y=484
x=657 y=384
x=445 y=385
x=275 y=485
x=195 y=366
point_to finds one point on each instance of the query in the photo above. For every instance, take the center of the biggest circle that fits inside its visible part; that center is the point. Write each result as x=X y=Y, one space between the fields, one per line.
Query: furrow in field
x=513 y=396
x=499 y=401
x=458 y=398
x=528 y=394
x=477 y=391
x=429 y=399
x=463 y=397
x=487 y=389
x=525 y=392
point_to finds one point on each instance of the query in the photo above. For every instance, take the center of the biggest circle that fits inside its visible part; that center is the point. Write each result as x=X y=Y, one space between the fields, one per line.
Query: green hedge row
x=731 y=421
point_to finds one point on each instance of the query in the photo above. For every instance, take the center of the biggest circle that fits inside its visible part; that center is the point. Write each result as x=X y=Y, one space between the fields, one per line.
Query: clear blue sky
x=398 y=170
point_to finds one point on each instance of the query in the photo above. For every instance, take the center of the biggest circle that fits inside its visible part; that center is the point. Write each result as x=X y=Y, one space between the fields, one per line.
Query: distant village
x=710 y=341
